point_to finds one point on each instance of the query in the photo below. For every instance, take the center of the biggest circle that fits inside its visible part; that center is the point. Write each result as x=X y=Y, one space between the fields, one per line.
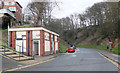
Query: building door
x=36 y=47
x=51 y=47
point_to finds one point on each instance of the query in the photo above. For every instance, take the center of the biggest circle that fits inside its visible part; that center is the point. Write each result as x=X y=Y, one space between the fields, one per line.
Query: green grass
x=103 y=47
x=4 y=36
x=5 y=30
x=63 y=49
x=116 y=50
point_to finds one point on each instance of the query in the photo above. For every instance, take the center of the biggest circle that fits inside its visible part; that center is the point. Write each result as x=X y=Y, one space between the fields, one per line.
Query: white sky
x=67 y=7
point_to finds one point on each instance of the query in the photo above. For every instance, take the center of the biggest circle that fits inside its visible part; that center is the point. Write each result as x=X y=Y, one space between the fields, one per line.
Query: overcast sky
x=67 y=7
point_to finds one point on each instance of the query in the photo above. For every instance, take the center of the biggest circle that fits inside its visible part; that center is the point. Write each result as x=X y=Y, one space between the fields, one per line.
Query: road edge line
x=5 y=56
x=116 y=64
x=29 y=65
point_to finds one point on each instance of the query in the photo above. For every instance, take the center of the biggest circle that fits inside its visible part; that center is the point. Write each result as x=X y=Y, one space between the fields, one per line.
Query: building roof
x=33 y=28
x=18 y=4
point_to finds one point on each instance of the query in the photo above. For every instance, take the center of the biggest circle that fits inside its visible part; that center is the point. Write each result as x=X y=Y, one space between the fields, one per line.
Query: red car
x=71 y=49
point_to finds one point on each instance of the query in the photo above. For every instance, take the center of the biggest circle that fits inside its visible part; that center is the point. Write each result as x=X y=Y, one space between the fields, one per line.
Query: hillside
x=88 y=36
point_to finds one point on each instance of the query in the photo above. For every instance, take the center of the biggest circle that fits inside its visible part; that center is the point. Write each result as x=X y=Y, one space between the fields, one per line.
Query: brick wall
x=29 y=43
x=26 y=53
x=18 y=13
x=42 y=43
x=54 y=44
x=10 y=40
x=14 y=39
x=50 y=42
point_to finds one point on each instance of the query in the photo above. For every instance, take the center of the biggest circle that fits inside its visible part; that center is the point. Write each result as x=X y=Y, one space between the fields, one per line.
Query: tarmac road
x=82 y=60
x=7 y=63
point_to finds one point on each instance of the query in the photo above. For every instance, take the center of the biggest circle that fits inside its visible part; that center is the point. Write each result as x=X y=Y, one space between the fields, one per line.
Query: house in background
x=15 y=7
x=34 y=41
x=6 y=16
x=10 y=11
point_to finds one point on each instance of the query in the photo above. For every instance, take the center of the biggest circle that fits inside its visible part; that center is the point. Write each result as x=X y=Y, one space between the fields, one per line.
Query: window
x=47 y=37
x=6 y=3
x=12 y=3
x=23 y=37
x=56 y=38
x=12 y=8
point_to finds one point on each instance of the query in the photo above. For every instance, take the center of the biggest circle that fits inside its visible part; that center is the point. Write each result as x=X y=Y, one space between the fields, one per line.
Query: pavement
x=38 y=59
x=9 y=63
x=82 y=60
x=110 y=55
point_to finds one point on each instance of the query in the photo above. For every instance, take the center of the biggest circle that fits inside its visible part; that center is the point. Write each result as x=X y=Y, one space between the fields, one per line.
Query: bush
x=63 y=49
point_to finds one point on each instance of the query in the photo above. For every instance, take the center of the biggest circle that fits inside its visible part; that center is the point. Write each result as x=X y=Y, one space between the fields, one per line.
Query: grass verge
x=5 y=30
x=103 y=47
x=63 y=49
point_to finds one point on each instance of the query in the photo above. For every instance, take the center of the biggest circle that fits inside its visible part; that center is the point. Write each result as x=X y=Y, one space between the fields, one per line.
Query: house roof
x=19 y=4
x=33 y=28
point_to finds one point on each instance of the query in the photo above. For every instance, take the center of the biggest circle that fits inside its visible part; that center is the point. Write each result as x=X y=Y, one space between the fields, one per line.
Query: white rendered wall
x=56 y=43
x=36 y=34
x=52 y=42
x=47 y=42
x=47 y=46
x=19 y=42
x=19 y=34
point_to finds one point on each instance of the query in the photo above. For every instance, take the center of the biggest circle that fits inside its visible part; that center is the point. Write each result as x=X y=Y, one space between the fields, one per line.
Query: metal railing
x=21 y=53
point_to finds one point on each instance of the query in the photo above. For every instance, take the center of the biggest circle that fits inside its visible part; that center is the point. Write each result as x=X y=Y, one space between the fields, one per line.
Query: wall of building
x=36 y=37
x=56 y=44
x=42 y=43
x=46 y=41
x=21 y=37
x=18 y=12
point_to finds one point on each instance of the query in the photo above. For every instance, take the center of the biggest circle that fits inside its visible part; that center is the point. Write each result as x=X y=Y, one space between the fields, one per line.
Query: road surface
x=82 y=60
x=9 y=63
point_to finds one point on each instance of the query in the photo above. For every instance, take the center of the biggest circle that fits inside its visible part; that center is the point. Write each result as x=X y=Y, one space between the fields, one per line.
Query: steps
x=2 y=50
x=14 y=55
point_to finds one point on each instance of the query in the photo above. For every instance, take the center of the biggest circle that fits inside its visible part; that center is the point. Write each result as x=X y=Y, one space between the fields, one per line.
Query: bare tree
x=41 y=12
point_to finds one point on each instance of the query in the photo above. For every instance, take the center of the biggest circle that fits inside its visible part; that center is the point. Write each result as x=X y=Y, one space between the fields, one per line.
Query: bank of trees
x=104 y=15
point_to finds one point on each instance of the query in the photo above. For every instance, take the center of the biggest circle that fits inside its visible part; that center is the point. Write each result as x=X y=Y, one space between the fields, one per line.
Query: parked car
x=71 y=49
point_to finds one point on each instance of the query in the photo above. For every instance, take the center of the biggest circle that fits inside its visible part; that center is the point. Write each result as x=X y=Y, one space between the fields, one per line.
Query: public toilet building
x=34 y=41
